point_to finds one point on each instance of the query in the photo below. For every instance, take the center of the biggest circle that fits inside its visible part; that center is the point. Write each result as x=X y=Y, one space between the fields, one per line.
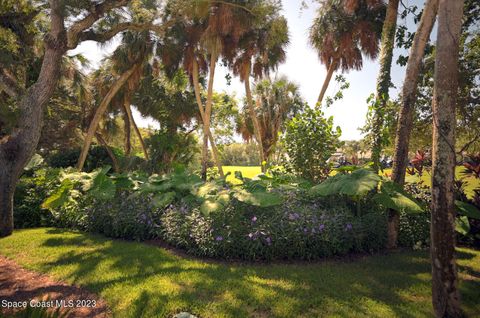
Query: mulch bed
x=21 y=285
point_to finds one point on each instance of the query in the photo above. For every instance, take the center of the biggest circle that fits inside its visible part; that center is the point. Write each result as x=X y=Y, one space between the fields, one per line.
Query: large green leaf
x=467 y=210
x=103 y=187
x=259 y=198
x=210 y=206
x=357 y=183
x=462 y=225
x=59 y=197
x=161 y=200
x=392 y=196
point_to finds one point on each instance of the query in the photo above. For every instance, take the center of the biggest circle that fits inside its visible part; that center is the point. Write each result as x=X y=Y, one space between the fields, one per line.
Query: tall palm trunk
x=445 y=295
x=101 y=140
x=409 y=91
x=99 y=113
x=405 y=119
x=127 y=142
x=326 y=82
x=384 y=79
x=128 y=110
x=206 y=115
x=253 y=116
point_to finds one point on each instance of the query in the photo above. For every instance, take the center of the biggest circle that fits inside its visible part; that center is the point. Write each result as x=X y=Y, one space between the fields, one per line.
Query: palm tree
x=264 y=48
x=383 y=80
x=128 y=62
x=341 y=37
x=212 y=30
x=276 y=101
x=409 y=90
x=445 y=295
x=408 y=98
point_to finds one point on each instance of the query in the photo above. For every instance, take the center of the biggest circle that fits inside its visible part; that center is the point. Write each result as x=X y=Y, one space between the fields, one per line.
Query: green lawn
x=139 y=280
x=247 y=171
x=251 y=172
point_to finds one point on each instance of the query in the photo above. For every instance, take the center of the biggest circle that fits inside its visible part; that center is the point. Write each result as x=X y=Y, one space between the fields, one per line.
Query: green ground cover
x=139 y=280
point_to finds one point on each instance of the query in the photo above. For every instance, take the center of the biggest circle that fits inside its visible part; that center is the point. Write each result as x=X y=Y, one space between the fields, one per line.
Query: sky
x=302 y=67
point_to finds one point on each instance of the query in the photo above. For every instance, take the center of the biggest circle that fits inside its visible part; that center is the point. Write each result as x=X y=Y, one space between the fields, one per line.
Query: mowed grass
x=139 y=280
x=471 y=182
x=247 y=171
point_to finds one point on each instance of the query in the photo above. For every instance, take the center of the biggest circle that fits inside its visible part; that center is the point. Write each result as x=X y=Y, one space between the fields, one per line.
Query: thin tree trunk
x=409 y=91
x=128 y=109
x=127 y=142
x=445 y=295
x=253 y=116
x=16 y=151
x=116 y=167
x=99 y=113
x=405 y=119
x=384 y=79
x=196 y=87
x=326 y=82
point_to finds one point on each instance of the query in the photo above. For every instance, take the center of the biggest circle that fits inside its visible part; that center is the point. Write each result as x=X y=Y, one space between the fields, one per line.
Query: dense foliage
x=310 y=139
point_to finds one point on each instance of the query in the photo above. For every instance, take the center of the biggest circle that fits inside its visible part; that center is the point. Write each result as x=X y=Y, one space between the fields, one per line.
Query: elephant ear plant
x=356 y=183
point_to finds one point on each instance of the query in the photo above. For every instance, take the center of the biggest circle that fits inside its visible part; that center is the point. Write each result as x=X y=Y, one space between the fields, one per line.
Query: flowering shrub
x=298 y=229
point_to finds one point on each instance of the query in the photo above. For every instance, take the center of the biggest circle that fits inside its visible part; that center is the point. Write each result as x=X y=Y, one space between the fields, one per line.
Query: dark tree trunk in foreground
x=445 y=295
x=18 y=148
x=384 y=79
x=405 y=118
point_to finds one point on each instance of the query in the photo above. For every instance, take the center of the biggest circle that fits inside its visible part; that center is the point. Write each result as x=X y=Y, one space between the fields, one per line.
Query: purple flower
x=219 y=238
x=348 y=227
x=268 y=240
x=293 y=216
x=321 y=227
x=305 y=230
x=254 y=219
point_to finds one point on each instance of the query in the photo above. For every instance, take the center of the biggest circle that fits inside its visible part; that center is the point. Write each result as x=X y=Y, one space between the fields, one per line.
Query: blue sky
x=303 y=67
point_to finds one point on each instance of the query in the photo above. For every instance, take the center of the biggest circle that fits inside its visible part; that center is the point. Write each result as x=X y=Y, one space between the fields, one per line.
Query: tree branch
x=102 y=37
x=10 y=85
x=95 y=13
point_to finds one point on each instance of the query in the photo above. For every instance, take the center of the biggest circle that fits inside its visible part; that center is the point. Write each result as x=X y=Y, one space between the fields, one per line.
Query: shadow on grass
x=154 y=282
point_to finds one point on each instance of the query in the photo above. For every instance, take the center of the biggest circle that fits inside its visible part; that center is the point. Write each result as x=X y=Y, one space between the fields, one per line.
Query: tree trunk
x=127 y=142
x=409 y=91
x=326 y=82
x=384 y=79
x=115 y=165
x=99 y=113
x=253 y=116
x=17 y=149
x=205 y=118
x=128 y=110
x=405 y=119
x=445 y=295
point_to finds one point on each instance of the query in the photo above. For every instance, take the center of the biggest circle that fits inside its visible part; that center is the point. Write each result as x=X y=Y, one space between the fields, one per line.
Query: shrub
x=310 y=139
x=295 y=230
x=32 y=189
x=97 y=157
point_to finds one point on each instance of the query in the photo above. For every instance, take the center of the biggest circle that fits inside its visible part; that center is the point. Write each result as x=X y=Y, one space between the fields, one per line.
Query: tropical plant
x=342 y=35
x=263 y=47
x=277 y=101
x=309 y=141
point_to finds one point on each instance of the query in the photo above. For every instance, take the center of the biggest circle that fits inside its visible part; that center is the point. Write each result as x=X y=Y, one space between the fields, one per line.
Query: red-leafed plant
x=472 y=165
x=419 y=161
